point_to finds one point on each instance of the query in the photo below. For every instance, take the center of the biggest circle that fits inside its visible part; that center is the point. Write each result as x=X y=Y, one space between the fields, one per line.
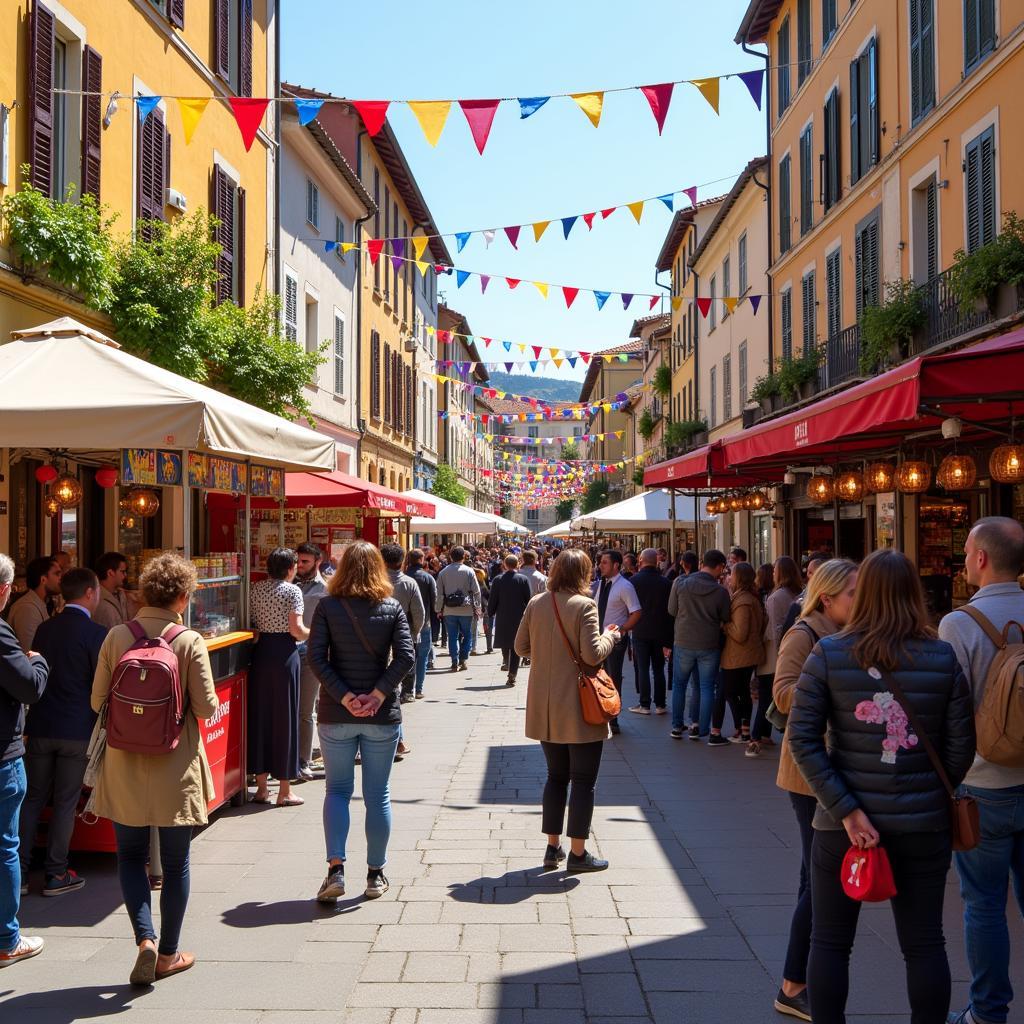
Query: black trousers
x=920 y=862
x=735 y=690
x=613 y=664
x=799 y=947
x=577 y=763
x=510 y=658
x=648 y=662
x=762 y=729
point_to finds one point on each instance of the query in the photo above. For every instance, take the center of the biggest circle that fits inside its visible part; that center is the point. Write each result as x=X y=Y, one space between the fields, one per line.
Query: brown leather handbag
x=599 y=699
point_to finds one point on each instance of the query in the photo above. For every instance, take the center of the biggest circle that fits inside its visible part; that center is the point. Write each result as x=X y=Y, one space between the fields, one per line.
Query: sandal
x=144 y=971
x=263 y=798
x=182 y=962
x=289 y=801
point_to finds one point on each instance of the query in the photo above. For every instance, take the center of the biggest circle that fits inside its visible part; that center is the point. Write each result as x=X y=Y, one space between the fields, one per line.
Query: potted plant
x=662 y=381
x=638 y=477
x=765 y=391
x=798 y=374
x=990 y=278
x=645 y=425
x=886 y=330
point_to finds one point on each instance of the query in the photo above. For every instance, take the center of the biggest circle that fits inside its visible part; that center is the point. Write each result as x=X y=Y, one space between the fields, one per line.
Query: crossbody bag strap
x=565 y=636
x=933 y=755
x=357 y=626
x=999 y=639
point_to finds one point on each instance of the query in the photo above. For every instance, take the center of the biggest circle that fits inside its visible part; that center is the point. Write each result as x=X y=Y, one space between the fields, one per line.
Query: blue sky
x=555 y=163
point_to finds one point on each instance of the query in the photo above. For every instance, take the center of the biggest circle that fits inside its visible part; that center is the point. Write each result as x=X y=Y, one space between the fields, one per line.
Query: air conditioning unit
x=172 y=197
x=410 y=344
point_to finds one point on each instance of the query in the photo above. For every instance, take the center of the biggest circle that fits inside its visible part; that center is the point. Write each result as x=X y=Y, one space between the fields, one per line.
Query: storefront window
x=761 y=534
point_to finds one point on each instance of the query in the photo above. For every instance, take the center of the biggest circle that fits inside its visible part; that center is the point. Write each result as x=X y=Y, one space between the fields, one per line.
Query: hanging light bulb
x=758 y=500
x=1006 y=464
x=879 y=477
x=144 y=502
x=850 y=486
x=67 y=490
x=735 y=503
x=956 y=473
x=820 y=489
x=52 y=506
x=913 y=477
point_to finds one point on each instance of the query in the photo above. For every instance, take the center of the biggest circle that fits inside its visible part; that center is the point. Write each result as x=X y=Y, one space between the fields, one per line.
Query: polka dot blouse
x=271 y=603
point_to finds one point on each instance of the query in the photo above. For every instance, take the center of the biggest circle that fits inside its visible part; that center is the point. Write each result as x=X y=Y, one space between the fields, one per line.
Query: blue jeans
x=684 y=664
x=13 y=786
x=376 y=745
x=422 y=654
x=984 y=872
x=460 y=631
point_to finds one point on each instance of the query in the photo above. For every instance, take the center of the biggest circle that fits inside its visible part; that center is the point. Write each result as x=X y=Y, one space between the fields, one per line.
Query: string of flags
x=537 y=441
x=453 y=337
x=533 y=364
x=544 y=409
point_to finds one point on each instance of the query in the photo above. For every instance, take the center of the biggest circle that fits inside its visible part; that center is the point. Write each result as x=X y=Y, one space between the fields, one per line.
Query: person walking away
x=112 y=571
x=554 y=715
x=794 y=609
x=538 y=581
x=485 y=619
x=356 y=628
x=510 y=594
x=874 y=780
x=994 y=561
x=313 y=586
x=170 y=790
x=272 y=748
x=31 y=610
x=743 y=651
x=22 y=681
x=617 y=605
x=458 y=601
x=406 y=592
x=700 y=607
x=785 y=585
x=652 y=635
x=826 y=610
x=423 y=642
x=59 y=728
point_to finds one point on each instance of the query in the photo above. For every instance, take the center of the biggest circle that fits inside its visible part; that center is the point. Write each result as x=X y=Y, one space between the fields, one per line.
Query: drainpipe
x=357 y=233
x=277 y=155
x=695 y=411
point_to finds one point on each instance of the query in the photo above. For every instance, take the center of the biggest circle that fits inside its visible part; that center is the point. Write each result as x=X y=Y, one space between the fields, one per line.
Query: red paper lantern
x=106 y=477
x=46 y=474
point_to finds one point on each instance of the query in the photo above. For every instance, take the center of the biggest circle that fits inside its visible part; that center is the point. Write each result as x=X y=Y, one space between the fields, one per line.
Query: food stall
x=136 y=452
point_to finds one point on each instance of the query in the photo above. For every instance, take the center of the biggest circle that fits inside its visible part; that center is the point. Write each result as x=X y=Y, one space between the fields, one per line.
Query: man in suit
x=510 y=594
x=652 y=635
x=59 y=728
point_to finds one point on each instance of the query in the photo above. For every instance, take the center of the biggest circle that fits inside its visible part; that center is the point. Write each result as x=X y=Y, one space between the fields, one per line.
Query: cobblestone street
x=689 y=923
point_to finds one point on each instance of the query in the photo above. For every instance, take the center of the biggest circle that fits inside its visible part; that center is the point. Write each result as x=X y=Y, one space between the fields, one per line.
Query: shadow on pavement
x=513 y=882
x=83 y=1003
x=266 y=915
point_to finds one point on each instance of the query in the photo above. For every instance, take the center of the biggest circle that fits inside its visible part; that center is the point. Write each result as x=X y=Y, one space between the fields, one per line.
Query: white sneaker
x=640 y=710
x=25 y=949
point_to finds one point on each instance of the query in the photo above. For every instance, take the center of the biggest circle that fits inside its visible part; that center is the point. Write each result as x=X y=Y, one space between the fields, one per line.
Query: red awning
x=339 y=490
x=698 y=470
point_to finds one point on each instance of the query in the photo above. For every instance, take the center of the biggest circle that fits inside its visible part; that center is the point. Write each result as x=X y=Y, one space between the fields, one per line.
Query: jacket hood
x=702 y=583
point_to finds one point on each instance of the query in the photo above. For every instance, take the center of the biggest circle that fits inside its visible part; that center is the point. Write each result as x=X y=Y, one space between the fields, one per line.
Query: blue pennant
x=507 y=345
x=308 y=109
x=571 y=360
x=602 y=298
x=533 y=365
x=530 y=105
x=330 y=246
x=567 y=223
x=461 y=277
x=461 y=238
x=146 y=105
x=667 y=200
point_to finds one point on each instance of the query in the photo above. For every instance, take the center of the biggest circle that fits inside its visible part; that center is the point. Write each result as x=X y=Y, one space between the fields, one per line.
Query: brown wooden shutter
x=410 y=402
x=151 y=171
x=40 y=101
x=222 y=202
x=221 y=38
x=177 y=13
x=245 y=47
x=387 y=383
x=240 y=247
x=92 y=115
x=375 y=374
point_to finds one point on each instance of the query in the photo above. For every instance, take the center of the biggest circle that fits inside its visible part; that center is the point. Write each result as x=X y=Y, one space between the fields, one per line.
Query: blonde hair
x=361 y=573
x=828 y=580
x=165 y=578
x=570 y=572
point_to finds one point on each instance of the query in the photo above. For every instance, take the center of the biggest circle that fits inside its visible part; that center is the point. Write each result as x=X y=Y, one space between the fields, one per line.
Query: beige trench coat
x=158 y=789
x=553 y=712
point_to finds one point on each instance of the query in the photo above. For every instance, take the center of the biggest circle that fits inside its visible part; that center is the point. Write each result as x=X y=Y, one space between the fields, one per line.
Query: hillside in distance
x=550 y=389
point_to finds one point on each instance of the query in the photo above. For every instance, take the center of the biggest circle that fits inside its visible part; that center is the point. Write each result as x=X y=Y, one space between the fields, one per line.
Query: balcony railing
x=842 y=358
x=945 y=318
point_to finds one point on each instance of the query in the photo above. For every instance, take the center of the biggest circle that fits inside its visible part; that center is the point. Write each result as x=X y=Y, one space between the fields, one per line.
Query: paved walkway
x=689 y=924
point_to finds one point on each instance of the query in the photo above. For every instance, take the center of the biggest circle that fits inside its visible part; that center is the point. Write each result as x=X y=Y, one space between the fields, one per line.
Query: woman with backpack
x=169 y=788
x=891 y=695
x=826 y=608
x=356 y=629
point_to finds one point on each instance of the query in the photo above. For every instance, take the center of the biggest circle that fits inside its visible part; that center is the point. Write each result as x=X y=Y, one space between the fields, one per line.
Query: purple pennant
x=396 y=262
x=398 y=246
x=508 y=367
x=754 y=81
x=755 y=301
x=484 y=282
x=627 y=298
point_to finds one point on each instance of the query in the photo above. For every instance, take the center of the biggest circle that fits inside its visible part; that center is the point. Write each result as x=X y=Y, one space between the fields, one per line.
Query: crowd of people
x=835 y=665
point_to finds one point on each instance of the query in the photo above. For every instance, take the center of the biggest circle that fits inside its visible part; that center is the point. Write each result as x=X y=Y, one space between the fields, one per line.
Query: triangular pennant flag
x=374 y=246
x=480 y=115
x=396 y=262
x=539 y=228
x=558 y=363
x=605 y=214
x=708 y=89
x=585 y=356
x=588 y=219
x=691 y=194
x=347 y=246
x=637 y=209
x=461 y=238
x=602 y=298
x=191 y=109
x=419 y=245
x=542 y=287
x=307 y=109
x=536 y=350
x=507 y=346
x=422 y=265
x=512 y=282
x=398 y=247
x=755 y=301
x=607 y=359
x=704 y=305
x=570 y=296
x=533 y=366
x=655 y=299
x=484 y=282
x=567 y=223
x=461 y=277
x=677 y=302
x=513 y=235
x=554 y=352
x=730 y=304
x=508 y=367
x=590 y=103
x=659 y=97
x=249 y=115
x=754 y=81
x=373 y=113
x=627 y=298
x=530 y=105
x=571 y=360
x=668 y=201
x=431 y=115
x=488 y=234
x=146 y=105
x=330 y=246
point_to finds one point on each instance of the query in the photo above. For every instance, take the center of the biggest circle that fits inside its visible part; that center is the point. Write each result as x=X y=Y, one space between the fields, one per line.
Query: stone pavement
x=689 y=924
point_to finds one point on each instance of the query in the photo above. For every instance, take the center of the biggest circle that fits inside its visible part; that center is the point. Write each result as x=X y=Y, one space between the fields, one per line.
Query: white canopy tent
x=508 y=526
x=559 y=530
x=452 y=518
x=643 y=513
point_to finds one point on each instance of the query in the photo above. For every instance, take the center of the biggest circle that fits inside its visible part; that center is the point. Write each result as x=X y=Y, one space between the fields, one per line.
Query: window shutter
x=92 y=128
x=339 y=355
x=387 y=383
x=867 y=266
x=410 y=401
x=932 y=227
x=291 y=309
x=245 y=47
x=222 y=201
x=727 y=387
x=151 y=171
x=786 y=315
x=981 y=190
x=375 y=374
x=874 y=117
x=986 y=27
x=833 y=285
x=807 y=297
x=832 y=183
x=785 y=220
x=783 y=66
x=240 y=247
x=40 y=102
x=806 y=180
x=855 y=121
x=221 y=38
x=922 y=58
x=803 y=40
x=177 y=13
x=971 y=48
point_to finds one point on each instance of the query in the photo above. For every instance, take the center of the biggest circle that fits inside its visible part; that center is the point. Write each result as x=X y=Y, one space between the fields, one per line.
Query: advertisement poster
x=266 y=482
x=213 y=473
x=148 y=467
x=885 y=520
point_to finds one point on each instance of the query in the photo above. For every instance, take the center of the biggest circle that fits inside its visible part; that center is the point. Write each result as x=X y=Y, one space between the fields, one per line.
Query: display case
x=216 y=606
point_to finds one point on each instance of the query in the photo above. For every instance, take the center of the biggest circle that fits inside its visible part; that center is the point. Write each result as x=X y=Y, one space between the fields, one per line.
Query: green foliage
x=570 y=451
x=663 y=381
x=977 y=276
x=446 y=485
x=564 y=510
x=595 y=496
x=794 y=373
x=638 y=477
x=70 y=241
x=645 y=425
x=890 y=325
x=764 y=387
x=681 y=432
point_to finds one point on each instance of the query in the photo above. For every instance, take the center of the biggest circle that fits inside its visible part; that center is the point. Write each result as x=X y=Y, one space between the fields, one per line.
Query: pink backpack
x=145 y=708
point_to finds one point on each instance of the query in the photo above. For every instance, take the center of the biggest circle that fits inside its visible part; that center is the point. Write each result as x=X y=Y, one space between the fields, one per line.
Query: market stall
x=452 y=518
x=650 y=512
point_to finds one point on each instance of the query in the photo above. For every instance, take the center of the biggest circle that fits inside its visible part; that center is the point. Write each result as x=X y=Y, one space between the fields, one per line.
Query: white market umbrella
x=449 y=517
x=558 y=530
x=643 y=513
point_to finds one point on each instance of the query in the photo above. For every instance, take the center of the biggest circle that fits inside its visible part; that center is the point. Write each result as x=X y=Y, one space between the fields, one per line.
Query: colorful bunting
x=374 y=246
x=431 y=115
x=461 y=238
x=542 y=287
x=249 y=116
x=529 y=106
x=591 y=104
x=704 y=305
x=570 y=296
x=627 y=298
x=667 y=200
x=480 y=115
x=373 y=113
x=708 y=88
x=567 y=223
x=484 y=282
x=691 y=194
x=730 y=304
x=755 y=301
x=191 y=109
x=145 y=105
x=513 y=283
x=539 y=228
x=655 y=299
x=659 y=97
x=754 y=81
x=306 y=109
x=601 y=298
x=513 y=235
x=419 y=245
x=461 y=277
x=637 y=209
x=588 y=219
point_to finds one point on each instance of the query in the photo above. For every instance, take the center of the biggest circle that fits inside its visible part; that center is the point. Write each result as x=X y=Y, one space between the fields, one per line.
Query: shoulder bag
x=964 y=822
x=599 y=700
x=773 y=714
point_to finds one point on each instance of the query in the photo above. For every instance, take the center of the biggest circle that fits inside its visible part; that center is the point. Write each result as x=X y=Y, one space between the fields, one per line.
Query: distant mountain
x=548 y=388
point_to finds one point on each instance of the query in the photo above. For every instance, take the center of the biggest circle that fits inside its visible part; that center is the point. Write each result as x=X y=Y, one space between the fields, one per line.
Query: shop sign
x=800 y=435
x=150 y=467
x=214 y=473
x=266 y=482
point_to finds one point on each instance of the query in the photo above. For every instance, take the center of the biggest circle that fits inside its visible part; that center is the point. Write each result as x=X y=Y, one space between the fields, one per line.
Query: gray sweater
x=701 y=607
x=454 y=578
x=999 y=603
x=407 y=594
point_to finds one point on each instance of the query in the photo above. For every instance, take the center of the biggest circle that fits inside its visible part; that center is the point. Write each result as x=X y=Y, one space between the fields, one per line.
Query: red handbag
x=867 y=875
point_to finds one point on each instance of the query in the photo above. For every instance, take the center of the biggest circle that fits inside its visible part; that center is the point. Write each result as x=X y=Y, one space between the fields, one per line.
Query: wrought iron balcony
x=842 y=358
x=945 y=318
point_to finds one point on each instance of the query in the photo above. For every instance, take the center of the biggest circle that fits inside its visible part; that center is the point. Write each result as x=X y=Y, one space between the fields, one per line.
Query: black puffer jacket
x=342 y=664
x=899 y=794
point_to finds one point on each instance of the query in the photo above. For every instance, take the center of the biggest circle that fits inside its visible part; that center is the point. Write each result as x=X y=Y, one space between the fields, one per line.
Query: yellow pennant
x=730 y=304
x=542 y=287
x=637 y=209
x=609 y=358
x=606 y=407
x=423 y=267
x=191 y=109
x=677 y=301
x=501 y=394
x=431 y=115
x=709 y=90
x=522 y=348
x=539 y=228
x=558 y=362
x=619 y=433
x=419 y=245
x=347 y=246
x=554 y=352
x=430 y=329
x=590 y=103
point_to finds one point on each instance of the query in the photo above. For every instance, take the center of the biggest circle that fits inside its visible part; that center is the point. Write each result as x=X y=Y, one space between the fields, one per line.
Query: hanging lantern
x=756 y=501
x=144 y=502
x=67 y=490
x=712 y=506
x=879 y=477
x=1006 y=464
x=46 y=474
x=106 y=477
x=956 y=473
x=820 y=489
x=127 y=522
x=735 y=503
x=913 y=477
x=850 y=486
x=52 y=506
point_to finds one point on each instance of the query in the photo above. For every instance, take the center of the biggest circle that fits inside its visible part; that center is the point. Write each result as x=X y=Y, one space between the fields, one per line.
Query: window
x=152 y=167
x=232 y=43
x=829 y=21
x=932 y=229
x=924 y=229
x=291 y=307
x=387 y=234
x=691 y=404
x=713 y=290
x=743 y=374
x=831 y=180
x=785 y=214
x=339 y=237
x=389 y=385
x=786 y=317
x=312 y=204
x=865 y=126
x=713 y=383
x=806 y=179
x=922 y=58
x=339 y=353
x=782 y=61
x=742 y=260
x=833 y=292
x=58 y=170
x=866 y=263
x=533 y=431
x=979 y=31
x=375 y=355
x=804 y=57
x=726 y=291
x=227 y=201
x=172 y=10
x=312 y=324
x=810 y=311
x=980 y=189
x=726 y=388
x=532 y=515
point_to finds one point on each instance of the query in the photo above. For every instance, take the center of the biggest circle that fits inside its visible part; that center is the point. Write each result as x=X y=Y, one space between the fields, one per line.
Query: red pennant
x=704 y=305
x=659 y=97
x=373 y=113
x=480 y=115
x=512 y=283
x=691 y=194
x=374 y=246
x=513 y=235
x=605 y=214
x=444 y=337
x=483 y=417
x=654 y=301
x=570 y=296
x=249 y=115
x=589 y=220
x=585 y=356
x=536 y=351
